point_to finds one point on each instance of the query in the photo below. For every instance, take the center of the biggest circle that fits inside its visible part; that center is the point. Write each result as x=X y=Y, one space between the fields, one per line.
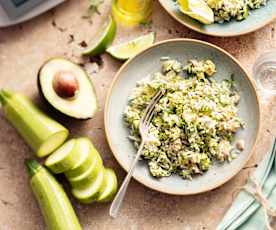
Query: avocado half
x=67 y=88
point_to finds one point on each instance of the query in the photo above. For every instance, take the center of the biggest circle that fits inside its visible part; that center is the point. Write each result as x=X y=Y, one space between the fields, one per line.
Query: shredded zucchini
x=194 y=121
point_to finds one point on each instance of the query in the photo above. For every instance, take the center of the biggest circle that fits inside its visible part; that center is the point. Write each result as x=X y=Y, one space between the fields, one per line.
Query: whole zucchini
x=53 y=201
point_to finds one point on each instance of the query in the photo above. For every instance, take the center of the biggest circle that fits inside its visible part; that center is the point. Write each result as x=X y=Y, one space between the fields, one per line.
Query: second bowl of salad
x=223 y=18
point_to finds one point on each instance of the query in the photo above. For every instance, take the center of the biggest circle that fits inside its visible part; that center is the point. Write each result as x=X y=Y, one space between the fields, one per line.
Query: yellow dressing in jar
x=131 y=12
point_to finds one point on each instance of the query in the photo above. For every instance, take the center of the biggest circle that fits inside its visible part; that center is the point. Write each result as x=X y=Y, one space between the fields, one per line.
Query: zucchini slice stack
x=83 y=167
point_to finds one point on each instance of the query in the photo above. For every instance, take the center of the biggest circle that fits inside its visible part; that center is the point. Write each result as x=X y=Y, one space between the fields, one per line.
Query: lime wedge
x=103 y=38
x=131 y=48
x=197 y=9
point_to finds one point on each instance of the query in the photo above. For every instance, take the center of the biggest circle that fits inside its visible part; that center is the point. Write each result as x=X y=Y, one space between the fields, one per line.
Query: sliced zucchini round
x=64 y=158
x=109 y=187
x=52 y=143
x=90 y=192
x=89 y=175
x=87 y=153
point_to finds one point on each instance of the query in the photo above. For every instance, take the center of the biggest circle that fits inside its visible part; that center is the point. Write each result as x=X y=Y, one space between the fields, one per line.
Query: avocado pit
x=65 y=84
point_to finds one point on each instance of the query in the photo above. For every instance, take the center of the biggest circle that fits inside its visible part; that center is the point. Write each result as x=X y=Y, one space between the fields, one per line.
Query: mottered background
x=61 y=32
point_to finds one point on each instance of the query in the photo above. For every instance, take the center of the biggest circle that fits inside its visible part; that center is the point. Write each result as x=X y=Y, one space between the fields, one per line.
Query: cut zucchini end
x=91 y=192
x=52 y=143
x=64 y=158
x=110 y=186
x=60 y=153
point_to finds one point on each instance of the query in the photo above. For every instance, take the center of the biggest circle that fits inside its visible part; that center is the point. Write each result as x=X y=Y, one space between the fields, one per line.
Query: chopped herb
x=94 y=6
x=83 y=44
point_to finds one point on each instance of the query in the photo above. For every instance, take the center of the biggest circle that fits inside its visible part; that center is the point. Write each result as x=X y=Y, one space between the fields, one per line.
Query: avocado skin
x=48 y=103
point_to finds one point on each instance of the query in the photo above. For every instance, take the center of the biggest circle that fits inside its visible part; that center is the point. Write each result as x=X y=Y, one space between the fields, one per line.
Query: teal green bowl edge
x=259 y=17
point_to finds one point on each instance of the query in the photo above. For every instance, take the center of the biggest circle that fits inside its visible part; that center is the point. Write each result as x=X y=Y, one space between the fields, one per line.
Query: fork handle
x=118 y=200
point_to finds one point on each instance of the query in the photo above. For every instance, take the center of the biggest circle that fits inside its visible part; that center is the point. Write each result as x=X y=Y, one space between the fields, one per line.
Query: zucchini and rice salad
x=225 y=10
x=219 y=11
x=194 y=122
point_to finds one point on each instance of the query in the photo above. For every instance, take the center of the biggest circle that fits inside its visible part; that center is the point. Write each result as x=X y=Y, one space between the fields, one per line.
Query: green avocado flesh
x=83 y=104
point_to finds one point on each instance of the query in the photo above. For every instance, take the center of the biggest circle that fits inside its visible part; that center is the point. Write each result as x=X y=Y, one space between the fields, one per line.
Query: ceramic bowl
x=147 y=62
x=256 y=20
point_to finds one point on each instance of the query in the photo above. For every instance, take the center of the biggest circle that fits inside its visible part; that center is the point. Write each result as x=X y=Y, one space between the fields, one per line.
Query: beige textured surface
x=24 y=48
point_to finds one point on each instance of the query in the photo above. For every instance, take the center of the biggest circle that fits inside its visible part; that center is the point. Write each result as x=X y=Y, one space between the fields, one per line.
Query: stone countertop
x=59 y=32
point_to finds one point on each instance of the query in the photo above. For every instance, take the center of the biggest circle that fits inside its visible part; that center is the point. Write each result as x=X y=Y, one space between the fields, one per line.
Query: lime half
x=131 y=48
x=197 y=9
x=103 y=38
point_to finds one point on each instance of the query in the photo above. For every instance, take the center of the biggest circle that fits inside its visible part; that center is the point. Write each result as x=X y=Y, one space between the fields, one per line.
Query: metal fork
x=143 y=130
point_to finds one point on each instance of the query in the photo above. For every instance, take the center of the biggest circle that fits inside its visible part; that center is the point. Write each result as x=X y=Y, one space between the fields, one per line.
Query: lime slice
x=109 y=187
x=131 y=48
x=90 y=192
x=197 y=9
x=64 y=158
x=86 y=151
x=102 y=39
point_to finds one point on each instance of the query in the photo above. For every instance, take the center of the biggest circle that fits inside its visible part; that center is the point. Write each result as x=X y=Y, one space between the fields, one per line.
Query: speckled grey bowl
x=148 y=62
x=256 y=20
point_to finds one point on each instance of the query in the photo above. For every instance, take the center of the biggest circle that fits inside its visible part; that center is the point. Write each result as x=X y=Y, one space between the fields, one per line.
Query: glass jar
x=264 y=72
x=131 y=12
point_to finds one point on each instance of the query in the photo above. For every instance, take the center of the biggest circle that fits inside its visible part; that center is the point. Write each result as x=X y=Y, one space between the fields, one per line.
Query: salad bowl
x=148 y=62
x=257 y=19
